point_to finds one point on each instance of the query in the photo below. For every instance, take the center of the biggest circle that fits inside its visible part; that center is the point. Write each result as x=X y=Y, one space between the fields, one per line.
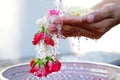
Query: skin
x=93 y=25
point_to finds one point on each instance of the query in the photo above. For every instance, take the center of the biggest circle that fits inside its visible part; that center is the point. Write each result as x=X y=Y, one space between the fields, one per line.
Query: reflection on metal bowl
x=69 y=71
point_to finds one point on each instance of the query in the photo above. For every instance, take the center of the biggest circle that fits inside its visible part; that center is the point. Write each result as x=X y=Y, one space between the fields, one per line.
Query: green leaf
x=43 y=28
x=53 y=60
x=47 y=58
x=40 y=62
x=39 y=65
x=34 y=63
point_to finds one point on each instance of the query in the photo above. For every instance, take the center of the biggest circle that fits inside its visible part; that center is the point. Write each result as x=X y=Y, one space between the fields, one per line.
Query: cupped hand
x=93 y=25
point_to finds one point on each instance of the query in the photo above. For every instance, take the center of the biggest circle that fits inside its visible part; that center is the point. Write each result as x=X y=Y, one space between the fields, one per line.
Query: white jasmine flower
x=78 y=11
x=42 y=20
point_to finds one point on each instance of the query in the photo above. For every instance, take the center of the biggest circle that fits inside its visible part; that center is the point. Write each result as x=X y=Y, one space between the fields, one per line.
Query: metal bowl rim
x=86 y=62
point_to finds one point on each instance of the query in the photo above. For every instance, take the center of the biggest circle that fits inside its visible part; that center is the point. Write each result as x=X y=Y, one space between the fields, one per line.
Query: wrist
x=117 y=13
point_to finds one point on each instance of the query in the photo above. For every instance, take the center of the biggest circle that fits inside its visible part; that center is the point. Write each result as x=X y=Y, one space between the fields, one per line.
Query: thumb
x=101 y=14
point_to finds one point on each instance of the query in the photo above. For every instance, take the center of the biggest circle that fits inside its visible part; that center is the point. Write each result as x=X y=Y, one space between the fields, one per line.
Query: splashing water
x=43 y=50
x=58 y=4
x=46 y=46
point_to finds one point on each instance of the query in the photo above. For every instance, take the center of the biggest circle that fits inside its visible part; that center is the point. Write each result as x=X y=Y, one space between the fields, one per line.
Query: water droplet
x=69 y=76
x=78 y=49
x=96 y=40
x=75 y=59
x=78 y=58
x=62 y=57
x=81 y=76
x=74 y=65
x=78 y=41
x=58 y=52
x=73 y=44
x=78 y=45
x=86 y=38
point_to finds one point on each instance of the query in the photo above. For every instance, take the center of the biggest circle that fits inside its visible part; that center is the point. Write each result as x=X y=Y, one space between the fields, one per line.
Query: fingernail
x=90 y=18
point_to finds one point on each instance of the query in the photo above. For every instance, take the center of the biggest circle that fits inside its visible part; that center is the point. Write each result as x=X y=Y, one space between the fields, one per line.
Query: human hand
x=93 y=25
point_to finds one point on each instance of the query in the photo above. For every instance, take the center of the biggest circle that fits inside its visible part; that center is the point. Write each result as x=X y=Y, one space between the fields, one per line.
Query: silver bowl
x=69 y=71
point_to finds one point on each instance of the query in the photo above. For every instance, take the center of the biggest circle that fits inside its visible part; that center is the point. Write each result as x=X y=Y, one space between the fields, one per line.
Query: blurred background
x=18 y=25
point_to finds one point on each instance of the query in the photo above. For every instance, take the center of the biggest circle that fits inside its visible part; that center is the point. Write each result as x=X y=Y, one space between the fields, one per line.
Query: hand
x=93 y=25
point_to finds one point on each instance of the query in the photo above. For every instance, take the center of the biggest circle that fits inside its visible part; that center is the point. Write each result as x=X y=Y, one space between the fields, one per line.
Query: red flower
x=54 y=66
x=41 y=36
x=38 y=71
x=38 y=37
x=49 y=41
x=32 y=62
x=41 y=70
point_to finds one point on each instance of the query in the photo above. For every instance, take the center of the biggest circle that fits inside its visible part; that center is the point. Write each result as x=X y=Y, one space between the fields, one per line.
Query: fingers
x=52 y=28
x=102 y=26
x=104 y=13
x=69 y=20
x=93 y=25
x=73 y=31
x=93 y=31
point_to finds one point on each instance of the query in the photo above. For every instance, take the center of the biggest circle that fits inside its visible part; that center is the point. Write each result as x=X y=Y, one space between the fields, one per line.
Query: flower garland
x=44 y=65
x=46 y=62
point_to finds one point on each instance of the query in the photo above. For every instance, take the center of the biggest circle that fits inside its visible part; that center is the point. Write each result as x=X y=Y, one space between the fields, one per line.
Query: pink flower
x=34 y=69
x=53 y=12
x=42 y=72
x=54 y=66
